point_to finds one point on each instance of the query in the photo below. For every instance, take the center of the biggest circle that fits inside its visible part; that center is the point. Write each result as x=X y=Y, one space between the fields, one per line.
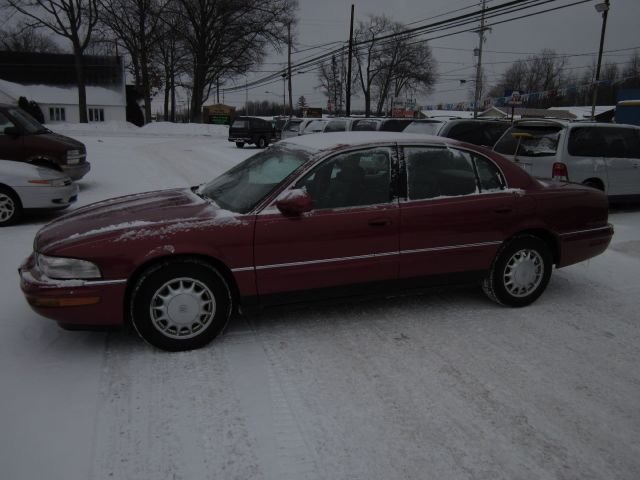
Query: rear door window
x=336 y=126
x=364 y=125
x=434 y=172
x=240 y=124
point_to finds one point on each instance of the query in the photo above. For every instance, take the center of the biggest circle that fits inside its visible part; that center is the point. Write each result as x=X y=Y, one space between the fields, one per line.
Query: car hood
x=56 y=138
x=130 y=217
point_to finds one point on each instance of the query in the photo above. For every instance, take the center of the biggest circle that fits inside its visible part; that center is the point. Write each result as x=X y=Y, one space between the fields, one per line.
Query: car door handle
x=379 y=222
x=503 y=210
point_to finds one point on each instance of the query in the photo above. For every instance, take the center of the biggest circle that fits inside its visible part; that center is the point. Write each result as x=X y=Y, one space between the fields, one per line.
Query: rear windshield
x=364 y=125
x=428 y=128
x=535 y=141
x=240 y=124
x=478 y=133
x=395 y=125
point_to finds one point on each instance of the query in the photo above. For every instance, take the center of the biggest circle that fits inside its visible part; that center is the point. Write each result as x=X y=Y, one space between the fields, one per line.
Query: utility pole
x=246 y=97
x=217 y=90
x=479 y=66
x=289 y=70
x=348 y=99
x=604 y=8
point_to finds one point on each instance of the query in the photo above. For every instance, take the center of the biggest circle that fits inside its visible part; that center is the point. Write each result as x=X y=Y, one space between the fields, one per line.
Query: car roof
x=339 y=140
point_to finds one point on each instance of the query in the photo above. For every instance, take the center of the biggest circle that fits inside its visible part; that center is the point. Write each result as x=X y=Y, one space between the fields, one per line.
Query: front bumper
x=48 y=197
x=73 y=302
x=77 y=171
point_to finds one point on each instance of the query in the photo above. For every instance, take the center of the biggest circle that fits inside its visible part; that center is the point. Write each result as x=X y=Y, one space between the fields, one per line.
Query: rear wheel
x=520 y=272
x=10 y=207
x=180 y=304
x=262 y=142
x=239 y=144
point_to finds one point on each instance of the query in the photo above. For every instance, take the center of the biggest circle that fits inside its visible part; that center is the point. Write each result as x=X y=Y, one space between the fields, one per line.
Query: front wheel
x=262 y=142
x=180 y=304
x=239 y=144
x=520 y=272
x=10 y=207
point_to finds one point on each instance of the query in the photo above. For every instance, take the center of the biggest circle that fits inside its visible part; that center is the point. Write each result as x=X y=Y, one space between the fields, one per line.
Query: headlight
x=74 y=156
x=67 y=268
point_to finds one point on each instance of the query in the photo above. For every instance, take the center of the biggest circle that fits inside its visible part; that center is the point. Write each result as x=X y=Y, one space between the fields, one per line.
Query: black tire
x=10 y=207
x=239 y=144
x=262 y=142
x=529 y=260
x=186 y=320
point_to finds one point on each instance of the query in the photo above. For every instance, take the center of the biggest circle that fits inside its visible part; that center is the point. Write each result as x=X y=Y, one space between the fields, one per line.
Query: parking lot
x=442 y=385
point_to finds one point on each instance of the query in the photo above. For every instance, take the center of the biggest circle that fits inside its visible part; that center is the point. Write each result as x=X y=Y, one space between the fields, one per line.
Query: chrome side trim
x=104 y=282
x=242 y=269
x=450 y=247
x=325 y=260
x=373 y=255
x=608 y=227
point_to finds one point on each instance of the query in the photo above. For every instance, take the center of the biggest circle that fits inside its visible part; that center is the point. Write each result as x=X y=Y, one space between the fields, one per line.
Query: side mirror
x=12 y=131
x=294 y=202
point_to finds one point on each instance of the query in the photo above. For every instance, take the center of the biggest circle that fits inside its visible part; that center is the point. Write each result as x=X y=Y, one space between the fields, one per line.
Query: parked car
x=315 y=125
x=24 y=139
x=253 y=130
x=312 y=216
x=602 y=155
x=291 y=128
x=483 y=132
x=28 y=187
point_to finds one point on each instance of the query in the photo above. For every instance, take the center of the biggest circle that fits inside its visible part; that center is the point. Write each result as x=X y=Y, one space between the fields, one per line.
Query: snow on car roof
x=329 y=141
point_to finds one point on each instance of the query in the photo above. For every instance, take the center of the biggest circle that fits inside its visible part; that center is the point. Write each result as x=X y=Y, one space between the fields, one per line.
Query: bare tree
x=367 y=54
x=168 y=56
x=71 y=19
x=225 y=38
x=24 y=38
x=137 y=24
x=332 y=78
x=408 y=66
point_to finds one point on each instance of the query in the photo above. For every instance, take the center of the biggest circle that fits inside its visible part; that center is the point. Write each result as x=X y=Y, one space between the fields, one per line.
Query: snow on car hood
x=144 y=215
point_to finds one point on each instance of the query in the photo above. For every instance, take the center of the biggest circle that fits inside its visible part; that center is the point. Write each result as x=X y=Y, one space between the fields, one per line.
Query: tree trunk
x=82 y=91
x=146 y=86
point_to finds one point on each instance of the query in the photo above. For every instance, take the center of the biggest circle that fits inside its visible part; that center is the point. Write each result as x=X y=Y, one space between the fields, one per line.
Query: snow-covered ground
x=445 y=385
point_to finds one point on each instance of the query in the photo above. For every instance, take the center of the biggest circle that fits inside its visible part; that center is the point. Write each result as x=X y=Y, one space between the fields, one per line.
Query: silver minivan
x=602 y=155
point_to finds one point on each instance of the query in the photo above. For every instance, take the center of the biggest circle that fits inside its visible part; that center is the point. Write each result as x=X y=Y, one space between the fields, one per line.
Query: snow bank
x=152 y=129
x=188 y=129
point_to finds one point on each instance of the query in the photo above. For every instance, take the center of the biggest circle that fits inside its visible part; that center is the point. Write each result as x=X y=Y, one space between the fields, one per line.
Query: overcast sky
x=572 y=30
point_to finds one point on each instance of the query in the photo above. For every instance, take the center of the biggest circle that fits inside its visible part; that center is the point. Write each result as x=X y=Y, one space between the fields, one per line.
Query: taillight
x=559 y=172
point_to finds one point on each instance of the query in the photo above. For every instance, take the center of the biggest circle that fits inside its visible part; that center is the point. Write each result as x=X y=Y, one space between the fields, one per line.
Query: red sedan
x=321 y=215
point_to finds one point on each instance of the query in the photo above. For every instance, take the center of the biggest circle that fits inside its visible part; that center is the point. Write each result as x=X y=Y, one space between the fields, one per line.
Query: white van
x=602 y=155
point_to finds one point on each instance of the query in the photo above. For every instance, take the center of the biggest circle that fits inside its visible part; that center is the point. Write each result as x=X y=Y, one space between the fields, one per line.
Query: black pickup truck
x=253 y=130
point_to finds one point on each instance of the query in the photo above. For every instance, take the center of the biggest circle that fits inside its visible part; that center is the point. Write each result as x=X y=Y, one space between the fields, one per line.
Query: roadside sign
x=516 y=99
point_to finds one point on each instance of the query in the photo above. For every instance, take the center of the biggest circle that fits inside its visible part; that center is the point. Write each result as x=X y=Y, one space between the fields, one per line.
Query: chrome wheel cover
x=523 y=273
x=7 y=208
x=182 y=308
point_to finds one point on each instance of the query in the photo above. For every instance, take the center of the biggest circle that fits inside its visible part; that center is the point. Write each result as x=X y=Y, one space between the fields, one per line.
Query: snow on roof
x=45 y=94
x=584 y=112
x=447 y=113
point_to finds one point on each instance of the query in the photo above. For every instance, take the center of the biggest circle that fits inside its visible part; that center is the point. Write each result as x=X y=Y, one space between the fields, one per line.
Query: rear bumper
x=581 y=245
x=72 y=302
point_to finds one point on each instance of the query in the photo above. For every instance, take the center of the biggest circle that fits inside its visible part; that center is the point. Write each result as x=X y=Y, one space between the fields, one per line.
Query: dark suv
x=24 y=139
x=252 y=130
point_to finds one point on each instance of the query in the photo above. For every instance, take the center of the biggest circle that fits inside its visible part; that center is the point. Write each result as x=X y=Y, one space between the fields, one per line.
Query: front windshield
x=30 y=124
x=241 y=188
